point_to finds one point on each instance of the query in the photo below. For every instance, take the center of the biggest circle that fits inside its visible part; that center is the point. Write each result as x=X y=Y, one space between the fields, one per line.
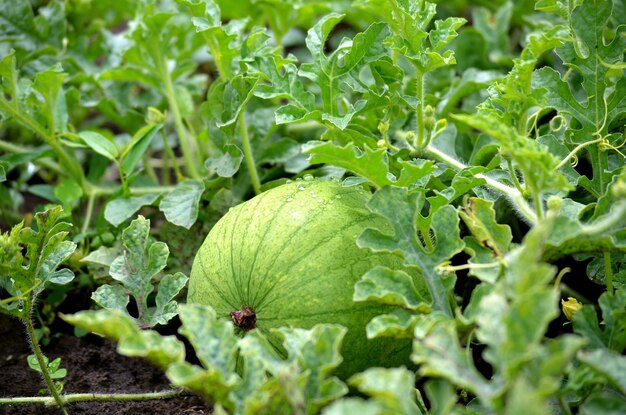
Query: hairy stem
x=92 y=397
x=247 y=152
x=516 y=182
x=178 y=119
x=90 y=205
x=104 y=191
x=608 y=272
x=564 y=406
x=607 y=223
x=172 y=157
x=538 y=205
x=512 y=193
x=149 y=169
x=419 y=109
x=32 y=336
x=71 y=164
x=123 y=181
x=17 y=149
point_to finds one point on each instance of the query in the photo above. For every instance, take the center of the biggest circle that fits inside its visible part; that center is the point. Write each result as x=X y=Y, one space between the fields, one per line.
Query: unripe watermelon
x=288 y=257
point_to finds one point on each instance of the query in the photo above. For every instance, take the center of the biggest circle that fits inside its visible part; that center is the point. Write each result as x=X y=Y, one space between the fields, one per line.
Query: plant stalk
x=419 y=109
x=72 y=165
x=178 y=119
x=247 y=152
x=91 y=397
x=32 y=337
x=607 y=223
x=564 y=406
x=90 y=204
x=538 y=205
x=149 y=169
x=608 y=271
x=16 y=149
x=169 y=153
x=141 y=190
x=516 y=182
x=512 y=193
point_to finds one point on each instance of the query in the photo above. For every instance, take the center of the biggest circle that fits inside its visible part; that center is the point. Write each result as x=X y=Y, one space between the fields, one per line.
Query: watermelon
x=288 y=257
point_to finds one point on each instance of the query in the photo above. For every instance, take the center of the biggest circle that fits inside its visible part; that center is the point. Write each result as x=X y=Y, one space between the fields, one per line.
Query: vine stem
x=454 y=268
x=32 y=336
x=607 y=223
x=72 y=165
x=170 y=154
x=17 y=149
x=178 y=119
x=564 y=406
x=90 y=205
x=608 y=271
x=516 y=182
x=91 y=397
x=538 y=205
x=247 y=152
x=512 y=193
x=419 y=109
x=104 y=191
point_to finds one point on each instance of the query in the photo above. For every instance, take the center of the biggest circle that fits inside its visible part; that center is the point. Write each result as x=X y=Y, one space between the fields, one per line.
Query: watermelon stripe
x=216 y=287
x=262 y=242
x=290 y=285
x=297 y=233
x=268 y=273
x=295 y=261
x=244 y=238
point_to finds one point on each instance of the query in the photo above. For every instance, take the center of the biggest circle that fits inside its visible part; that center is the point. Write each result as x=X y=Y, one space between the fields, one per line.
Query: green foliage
x=390 y=391
x=241 y=375
x=493 y=148
x=29 y=260
x=592 y=57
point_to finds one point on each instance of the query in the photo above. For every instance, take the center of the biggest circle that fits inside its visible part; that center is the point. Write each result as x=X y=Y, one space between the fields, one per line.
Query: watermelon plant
x=384 y=206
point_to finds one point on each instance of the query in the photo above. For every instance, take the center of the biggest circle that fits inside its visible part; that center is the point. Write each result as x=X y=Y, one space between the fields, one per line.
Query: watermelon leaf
x=135 y=269
x=412 y=238
x=609 y=364
x=120 y=209
x=371 y=164
x=390 y=391
x=119 y=326
x=181 y=205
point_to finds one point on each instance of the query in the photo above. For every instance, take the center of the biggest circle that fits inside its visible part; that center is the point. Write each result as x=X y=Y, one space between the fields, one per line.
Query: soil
x=92 y=366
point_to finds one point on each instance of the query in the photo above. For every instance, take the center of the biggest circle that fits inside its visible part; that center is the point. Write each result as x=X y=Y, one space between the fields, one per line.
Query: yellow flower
x=570 y=307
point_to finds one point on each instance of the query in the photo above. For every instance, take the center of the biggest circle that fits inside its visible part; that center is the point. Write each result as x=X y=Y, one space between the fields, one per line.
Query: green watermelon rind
x=290 y=254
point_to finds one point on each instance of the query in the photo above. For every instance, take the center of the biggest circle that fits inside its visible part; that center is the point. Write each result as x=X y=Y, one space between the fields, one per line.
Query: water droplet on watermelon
x=288 y=181
x=338 y=197
x=319 y=200
x=308 y=177
x=301 y=187
x=298 y=179
x=289 y=199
